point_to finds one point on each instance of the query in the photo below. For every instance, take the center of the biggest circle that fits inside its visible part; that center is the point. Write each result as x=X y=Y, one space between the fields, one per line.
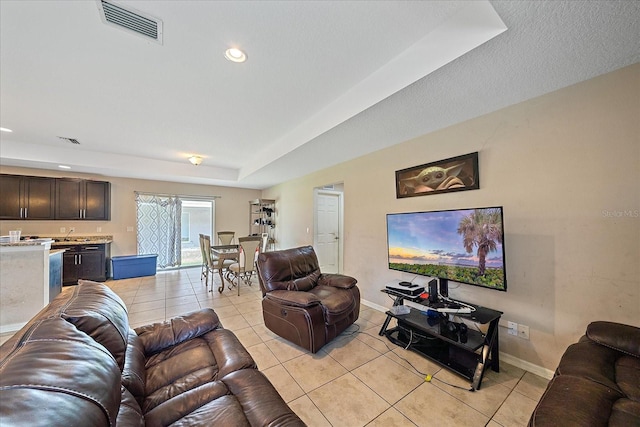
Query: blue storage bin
x=126 y=267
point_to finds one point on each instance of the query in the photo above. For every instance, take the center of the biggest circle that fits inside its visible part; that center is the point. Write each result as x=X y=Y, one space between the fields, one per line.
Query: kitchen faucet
x=66 y=238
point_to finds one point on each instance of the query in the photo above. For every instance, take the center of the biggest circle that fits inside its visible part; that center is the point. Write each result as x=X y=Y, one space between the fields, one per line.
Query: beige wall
x=566 y=168
x=232 y=209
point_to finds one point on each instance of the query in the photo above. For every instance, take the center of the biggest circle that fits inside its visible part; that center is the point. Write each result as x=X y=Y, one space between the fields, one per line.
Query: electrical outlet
x=523 y=331
x=129 y=229
x=98 y=229
x=512 y=328
x=63 y=230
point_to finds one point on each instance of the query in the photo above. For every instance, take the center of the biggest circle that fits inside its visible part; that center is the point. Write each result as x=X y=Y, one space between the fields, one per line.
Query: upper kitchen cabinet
x=27 y=197
x=83 y=199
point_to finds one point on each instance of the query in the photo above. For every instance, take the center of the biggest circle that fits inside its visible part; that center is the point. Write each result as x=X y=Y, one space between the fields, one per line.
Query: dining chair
x=213 y=262
x=226 y=237
x=249 y=249
x=205 y=266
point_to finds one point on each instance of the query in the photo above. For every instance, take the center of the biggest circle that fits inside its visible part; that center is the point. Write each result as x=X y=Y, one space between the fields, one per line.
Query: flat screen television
x=462 y=245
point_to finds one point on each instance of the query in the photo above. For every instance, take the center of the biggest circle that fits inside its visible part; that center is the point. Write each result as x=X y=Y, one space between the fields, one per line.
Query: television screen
x=464 y=245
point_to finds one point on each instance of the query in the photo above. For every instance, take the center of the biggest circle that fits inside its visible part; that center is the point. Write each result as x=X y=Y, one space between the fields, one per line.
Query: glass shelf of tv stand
x=429 y=337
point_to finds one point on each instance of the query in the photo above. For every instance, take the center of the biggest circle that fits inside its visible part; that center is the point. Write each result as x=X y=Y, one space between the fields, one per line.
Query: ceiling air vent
x=71 y=140
x=131 y=20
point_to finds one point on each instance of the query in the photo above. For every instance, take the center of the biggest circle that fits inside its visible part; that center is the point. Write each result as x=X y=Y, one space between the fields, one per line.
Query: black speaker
x=462 y=332
x=433 y=290
x=454 y=331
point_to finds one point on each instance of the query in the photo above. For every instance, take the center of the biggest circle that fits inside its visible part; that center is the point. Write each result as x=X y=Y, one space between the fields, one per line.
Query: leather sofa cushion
x=162 y=335
x=97 y=311
x=575 y=402
x=589 y=360
x=261 y=406
x=625 y=413
x=294 y=269
x=133 y=374
x=210 y=404
x=130 y=414
x=54 y=369
x=628 y=376
x=293 y=298
x=624 y=338
x=337 y=281
x=192 y=364
x=337 y=303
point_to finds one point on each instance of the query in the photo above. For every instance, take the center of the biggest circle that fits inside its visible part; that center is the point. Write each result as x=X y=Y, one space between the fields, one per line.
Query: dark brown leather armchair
x=301 y=304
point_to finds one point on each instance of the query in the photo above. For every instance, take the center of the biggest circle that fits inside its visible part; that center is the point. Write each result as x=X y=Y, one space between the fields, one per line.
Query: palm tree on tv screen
x=481 y=229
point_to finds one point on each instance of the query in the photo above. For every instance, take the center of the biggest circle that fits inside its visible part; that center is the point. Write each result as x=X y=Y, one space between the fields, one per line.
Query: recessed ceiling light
x=5 y=130
x=64 y=167
x=235 y=55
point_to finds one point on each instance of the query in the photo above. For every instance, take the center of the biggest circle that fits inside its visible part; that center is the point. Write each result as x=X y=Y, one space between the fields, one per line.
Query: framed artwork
x=444 y=176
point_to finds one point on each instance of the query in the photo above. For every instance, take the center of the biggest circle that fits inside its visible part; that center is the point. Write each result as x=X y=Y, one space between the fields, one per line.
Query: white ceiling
x=325 y=81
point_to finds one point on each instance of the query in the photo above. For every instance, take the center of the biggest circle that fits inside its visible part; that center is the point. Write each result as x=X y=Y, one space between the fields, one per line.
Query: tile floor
x=358 y=379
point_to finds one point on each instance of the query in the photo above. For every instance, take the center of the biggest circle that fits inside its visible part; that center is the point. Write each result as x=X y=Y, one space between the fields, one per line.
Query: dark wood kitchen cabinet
x=27 y=197
x=88 y=262
x=83 y=199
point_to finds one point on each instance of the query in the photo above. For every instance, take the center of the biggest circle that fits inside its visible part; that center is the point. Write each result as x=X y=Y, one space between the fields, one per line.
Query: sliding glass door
x=197 y=218
x=170 y=226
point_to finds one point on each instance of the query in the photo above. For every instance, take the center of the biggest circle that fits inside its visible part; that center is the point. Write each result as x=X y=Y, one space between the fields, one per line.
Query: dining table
x=224 y=252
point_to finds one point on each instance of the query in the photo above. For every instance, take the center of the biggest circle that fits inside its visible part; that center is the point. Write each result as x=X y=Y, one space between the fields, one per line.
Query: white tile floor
x=358 y=379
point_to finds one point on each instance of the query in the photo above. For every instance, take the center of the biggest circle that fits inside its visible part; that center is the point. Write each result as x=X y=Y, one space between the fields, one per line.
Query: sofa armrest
x=337 y=281
x=293 y=298
x=162 y=335
x=617 y=336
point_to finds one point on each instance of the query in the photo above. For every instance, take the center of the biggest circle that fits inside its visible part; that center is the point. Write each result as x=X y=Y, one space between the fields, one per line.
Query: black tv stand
x=467 y=354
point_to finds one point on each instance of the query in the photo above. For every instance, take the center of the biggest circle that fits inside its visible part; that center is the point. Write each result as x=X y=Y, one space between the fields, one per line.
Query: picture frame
x=458 y=173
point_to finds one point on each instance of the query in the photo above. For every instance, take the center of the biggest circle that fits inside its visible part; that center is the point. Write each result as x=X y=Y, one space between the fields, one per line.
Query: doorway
x=196 y=218
x=328 y=220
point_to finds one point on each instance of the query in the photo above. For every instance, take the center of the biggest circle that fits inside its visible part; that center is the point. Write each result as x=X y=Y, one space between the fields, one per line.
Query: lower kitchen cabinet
x=88 y=262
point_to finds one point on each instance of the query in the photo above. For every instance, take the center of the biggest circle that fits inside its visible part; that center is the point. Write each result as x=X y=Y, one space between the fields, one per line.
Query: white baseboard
x=504 y=357
x=374 y=305
x=527 y=366
x=14 y=327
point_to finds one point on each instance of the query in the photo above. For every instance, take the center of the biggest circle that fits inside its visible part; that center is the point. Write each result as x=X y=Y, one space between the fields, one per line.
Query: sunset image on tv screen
x=460 y=245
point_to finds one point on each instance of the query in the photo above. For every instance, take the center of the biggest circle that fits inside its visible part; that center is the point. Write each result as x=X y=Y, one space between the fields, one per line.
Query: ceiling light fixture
x=195 y=160
x=64 y=167
x=5 y=130
x=235 y=55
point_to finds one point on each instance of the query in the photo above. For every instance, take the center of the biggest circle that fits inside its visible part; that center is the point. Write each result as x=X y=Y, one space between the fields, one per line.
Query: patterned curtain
x=159 y=228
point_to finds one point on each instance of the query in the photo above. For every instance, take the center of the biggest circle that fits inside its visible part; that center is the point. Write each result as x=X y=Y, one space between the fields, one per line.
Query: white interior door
x=327 y=230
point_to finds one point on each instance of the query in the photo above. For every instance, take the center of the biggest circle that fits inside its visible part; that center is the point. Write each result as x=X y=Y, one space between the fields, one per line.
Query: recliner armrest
x=337 y=281
x=293 y=298
x=162 y=335
x=624 y=338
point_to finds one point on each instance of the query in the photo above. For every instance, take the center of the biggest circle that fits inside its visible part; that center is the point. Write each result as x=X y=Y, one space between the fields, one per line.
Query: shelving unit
x=262 y=219
x=469 y=357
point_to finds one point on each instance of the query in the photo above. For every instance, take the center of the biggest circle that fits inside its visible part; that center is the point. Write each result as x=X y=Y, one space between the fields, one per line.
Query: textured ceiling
x=325 y=81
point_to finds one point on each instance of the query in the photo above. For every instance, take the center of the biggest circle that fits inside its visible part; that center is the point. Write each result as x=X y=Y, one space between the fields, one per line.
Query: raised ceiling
x=325 y=81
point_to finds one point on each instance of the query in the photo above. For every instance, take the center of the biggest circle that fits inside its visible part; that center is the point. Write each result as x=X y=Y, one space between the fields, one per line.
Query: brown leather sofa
x=300 y=303
x=597 y=382
x=77 y=363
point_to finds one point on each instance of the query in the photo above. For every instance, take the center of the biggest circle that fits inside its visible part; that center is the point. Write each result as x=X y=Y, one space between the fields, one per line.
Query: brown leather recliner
x=597 y=382
x=301 y=304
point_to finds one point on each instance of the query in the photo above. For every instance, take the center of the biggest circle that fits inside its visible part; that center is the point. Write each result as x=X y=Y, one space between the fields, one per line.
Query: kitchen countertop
x=58 y=241
x=32 y=242
x=81 y=240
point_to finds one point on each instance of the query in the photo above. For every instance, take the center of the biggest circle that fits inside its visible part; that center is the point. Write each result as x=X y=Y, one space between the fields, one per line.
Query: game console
x=406 y=288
